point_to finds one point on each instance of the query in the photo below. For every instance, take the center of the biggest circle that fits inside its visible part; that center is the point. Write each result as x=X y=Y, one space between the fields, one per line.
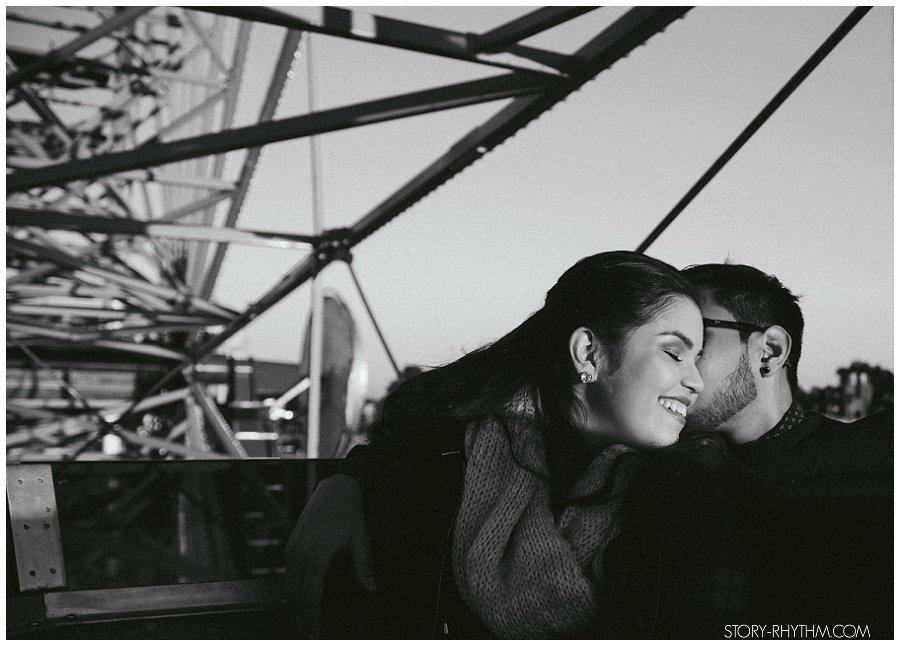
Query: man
x=788 y=532
x=791 y=526
x=821 y=526
x=752 y=342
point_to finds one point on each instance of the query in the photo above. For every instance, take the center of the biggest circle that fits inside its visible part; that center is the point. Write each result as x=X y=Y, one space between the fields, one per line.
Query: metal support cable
x=794 y=82
x=362 y=296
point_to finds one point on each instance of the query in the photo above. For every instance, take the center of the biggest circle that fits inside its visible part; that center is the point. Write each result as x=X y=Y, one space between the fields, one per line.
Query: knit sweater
x=503 y=524
x=526 y=571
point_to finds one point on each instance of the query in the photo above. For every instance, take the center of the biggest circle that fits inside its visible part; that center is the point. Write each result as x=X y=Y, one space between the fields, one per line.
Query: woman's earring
x=764 y=370
x=586 y=377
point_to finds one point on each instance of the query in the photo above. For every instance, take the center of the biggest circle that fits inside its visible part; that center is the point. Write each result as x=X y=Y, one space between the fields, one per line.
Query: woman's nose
x=692 y=379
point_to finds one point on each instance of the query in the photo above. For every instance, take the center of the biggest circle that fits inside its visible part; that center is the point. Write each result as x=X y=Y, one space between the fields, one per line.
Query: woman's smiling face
x=642 y=403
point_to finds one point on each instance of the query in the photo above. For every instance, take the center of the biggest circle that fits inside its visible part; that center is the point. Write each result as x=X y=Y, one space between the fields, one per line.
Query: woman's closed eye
x=674 y=355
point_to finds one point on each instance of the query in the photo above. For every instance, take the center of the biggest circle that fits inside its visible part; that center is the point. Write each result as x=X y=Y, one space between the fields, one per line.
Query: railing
x=105 y=549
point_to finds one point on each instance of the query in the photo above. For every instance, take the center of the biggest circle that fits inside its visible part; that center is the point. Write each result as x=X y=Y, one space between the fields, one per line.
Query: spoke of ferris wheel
x=204 y=267
x=126 y=282
x=365 y=302
x=120 y=20
x=780 y=97
x=267 y=111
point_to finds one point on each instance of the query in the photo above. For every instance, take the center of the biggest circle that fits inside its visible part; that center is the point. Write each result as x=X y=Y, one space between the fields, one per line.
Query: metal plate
x=35 y=526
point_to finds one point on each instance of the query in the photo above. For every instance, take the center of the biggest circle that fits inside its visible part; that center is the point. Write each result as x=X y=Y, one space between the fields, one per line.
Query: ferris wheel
x=128 y=167
x=120 y=264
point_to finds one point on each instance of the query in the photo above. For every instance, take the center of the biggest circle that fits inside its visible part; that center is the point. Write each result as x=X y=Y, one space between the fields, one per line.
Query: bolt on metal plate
x=35 y=526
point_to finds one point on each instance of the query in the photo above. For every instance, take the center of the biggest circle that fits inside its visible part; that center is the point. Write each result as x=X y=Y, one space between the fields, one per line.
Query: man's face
x=725 y=369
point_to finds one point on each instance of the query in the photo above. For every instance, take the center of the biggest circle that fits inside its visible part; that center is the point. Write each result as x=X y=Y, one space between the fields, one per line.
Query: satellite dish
x=344 y=374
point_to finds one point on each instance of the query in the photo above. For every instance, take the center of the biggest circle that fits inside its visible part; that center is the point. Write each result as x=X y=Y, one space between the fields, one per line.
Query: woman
x=498 y=477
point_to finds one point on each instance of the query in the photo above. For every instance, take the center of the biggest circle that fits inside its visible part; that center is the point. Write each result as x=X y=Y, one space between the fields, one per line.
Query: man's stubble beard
x=738 y=391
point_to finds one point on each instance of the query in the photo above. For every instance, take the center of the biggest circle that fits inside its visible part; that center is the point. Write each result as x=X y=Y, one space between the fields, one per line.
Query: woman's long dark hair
x=610 y=293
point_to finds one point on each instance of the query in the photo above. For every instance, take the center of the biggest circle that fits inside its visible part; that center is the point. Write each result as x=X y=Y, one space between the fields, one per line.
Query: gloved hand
x=333 y=521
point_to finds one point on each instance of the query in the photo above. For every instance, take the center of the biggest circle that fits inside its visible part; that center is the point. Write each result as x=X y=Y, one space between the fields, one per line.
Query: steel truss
x=119 y=209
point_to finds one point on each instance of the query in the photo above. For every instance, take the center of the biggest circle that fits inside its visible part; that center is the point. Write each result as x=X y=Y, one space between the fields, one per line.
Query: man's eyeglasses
x=734 y=325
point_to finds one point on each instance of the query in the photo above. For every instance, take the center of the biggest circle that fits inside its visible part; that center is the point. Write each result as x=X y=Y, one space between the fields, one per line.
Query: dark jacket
x=411 y=500
x=677 y=569
x=822 y=537
x=788 y=531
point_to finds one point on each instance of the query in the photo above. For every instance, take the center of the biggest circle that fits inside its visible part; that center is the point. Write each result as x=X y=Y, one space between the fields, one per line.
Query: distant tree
x=863 y=390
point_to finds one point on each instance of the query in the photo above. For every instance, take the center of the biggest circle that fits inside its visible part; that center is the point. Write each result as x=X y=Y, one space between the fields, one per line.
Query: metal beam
x=18 y=329
x=198 y=267
x=171 y=447
x=198 y=110
x=528 y=25
x=210 y=50
x=613 y=44
x=49 y=59
x=793 y=83
x=59 y=257
x=12 y=16
x=189 y=79
x=266 y=113
x=148 y=403
x=193 y=207
x=32 y=274
x=32 y=290
x=630 y=31
x=146 y=349
x=45 y=112
x=406 y=105
x=232 y=445
x=58 y=220
x=173 y=179
x=106 y=324
x=79 y=312
x=399 y=34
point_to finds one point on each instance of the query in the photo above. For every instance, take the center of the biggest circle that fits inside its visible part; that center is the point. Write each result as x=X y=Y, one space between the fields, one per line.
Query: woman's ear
x=585 y=352
x=776 y=344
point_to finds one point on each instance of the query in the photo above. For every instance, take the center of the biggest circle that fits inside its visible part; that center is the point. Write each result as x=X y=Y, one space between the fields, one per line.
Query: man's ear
x=586 y=352
x=776 y=348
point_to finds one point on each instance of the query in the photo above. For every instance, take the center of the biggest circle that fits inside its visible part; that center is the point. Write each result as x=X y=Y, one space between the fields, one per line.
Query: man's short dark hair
x=753 y=296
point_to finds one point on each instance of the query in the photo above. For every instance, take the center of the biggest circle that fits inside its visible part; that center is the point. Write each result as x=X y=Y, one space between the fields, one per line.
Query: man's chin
x=700 y=426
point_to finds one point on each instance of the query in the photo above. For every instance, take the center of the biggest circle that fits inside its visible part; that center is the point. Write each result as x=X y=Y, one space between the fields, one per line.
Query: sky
x=808 y=199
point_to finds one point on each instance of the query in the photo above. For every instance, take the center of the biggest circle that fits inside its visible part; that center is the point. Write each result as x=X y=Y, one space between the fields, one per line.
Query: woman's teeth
x=674 y=405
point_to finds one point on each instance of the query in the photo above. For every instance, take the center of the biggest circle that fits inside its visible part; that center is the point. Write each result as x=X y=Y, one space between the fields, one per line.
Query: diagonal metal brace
x=610 y=46
x=232 y=445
